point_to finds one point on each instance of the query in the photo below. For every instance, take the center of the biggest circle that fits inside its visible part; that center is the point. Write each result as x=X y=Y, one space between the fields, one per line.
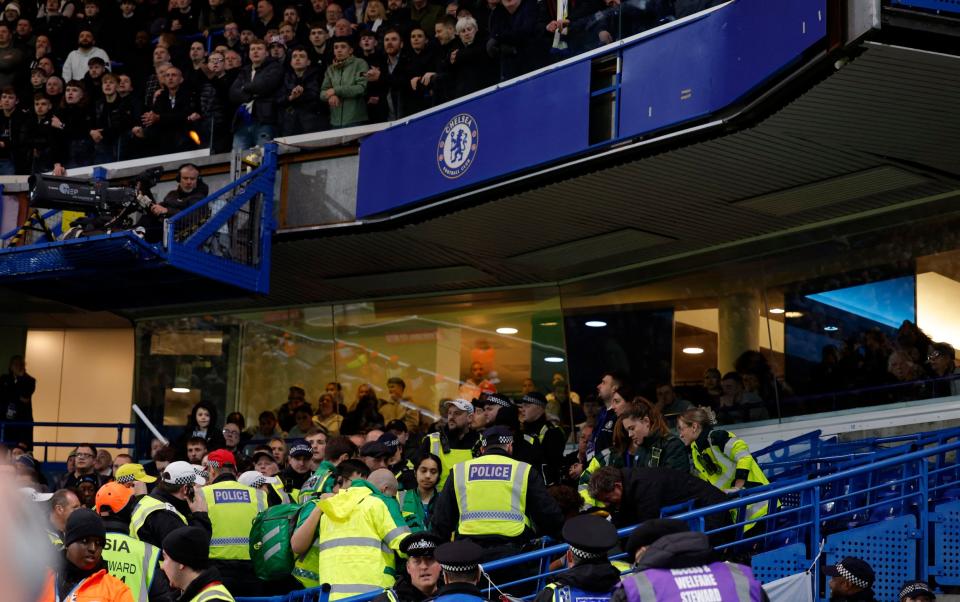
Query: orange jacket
x=98 y=587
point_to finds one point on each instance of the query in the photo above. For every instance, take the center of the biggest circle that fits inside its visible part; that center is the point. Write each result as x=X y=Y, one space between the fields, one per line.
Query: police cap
x=458 y=556
x=589 y=536
x=496 y=399
x=534 y=398
x=421 y=544
x=650 y=531
x=375 y=449
x=497 y=435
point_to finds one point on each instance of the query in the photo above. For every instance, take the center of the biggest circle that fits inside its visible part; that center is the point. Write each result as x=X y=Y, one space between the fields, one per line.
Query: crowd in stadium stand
x=91 y=81
x=363 y=497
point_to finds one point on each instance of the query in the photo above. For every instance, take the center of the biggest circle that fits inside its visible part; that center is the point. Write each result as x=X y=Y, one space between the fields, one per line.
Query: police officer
x=420 y=580
x=591 y=576
x=916 y=591
x=851 y=580
x=545 y=436
x=298 y=468
x=232 y=507
x=186 y=563
x=657 y=579
x=174 y=503
x=454 y=442
x=129 y=559
x=460 y=561
x=401 y=467
x=267 y=485
x=498 y=502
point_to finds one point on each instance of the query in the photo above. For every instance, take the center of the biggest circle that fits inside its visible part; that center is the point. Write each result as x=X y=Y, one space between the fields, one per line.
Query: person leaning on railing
x=721 y=458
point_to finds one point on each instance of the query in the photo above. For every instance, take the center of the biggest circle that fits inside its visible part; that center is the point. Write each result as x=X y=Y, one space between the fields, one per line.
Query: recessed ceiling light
x=552 y=359
x=793 y=314
x=548 y=323
x=830 y=328
x=180 y=390
x=595 y=323
x=693 y=350
x=212 y=339
x=777 y=310
x=507 y=330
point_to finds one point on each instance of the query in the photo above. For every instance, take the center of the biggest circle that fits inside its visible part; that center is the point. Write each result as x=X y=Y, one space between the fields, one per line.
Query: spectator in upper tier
x=254 y=91
x=174 y=114
x=470 y=65
x=513 y=39
x=12 y=59
x=77 y=63
x=425 y=14
x=113 y=120
x=44 y=135
x=299 y=96
x=344 y=85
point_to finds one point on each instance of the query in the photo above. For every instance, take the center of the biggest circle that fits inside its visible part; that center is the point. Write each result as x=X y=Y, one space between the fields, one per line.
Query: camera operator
x=190 y=189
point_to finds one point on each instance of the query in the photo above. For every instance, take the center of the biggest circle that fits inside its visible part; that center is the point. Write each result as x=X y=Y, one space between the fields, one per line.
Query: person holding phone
x=173 y=504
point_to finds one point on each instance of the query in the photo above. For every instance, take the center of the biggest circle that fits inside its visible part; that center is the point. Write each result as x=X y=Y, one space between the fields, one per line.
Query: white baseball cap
x=34 y=495
x=460 y=404
x=254 y=479
x=181 y=473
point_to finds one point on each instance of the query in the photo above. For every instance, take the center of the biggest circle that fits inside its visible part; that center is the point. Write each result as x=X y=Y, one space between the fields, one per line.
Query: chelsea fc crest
x=458 y=146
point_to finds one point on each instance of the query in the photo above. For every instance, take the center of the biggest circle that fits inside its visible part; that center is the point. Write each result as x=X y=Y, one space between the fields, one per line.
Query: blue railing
x=46 y=445
x=901 y=514
x=225 y=238
x=947 y=6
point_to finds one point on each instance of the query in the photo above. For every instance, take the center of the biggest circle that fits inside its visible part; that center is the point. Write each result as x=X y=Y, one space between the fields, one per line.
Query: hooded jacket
x=359 y=532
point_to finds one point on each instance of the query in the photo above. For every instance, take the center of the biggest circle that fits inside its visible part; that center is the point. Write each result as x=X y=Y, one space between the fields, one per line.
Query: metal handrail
x=120 y=426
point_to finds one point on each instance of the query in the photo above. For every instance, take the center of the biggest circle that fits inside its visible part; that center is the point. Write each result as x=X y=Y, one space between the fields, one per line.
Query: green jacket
x=349 y=85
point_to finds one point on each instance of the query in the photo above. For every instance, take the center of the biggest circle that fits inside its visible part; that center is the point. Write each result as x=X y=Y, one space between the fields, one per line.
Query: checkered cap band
x=497 y=400
x=458 y=568
x=533 y=400
x=184 y=479
x=423 y=544
x=586 y=555
x=498 y=440
x=915 y=588
x=853 y=579
x=125 y=479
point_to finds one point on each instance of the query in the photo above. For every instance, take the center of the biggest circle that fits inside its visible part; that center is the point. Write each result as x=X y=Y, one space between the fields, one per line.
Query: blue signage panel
x=520 y=126
x=707 y=64
x=685 y=72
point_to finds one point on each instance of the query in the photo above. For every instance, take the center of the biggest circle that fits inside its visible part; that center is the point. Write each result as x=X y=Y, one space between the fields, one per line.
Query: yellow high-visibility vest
x=491 y=494
x=131 y=561
x=232 y=506
x=144 y=508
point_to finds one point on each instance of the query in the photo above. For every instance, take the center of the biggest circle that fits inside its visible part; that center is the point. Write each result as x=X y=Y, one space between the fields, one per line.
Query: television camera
x=106 y=207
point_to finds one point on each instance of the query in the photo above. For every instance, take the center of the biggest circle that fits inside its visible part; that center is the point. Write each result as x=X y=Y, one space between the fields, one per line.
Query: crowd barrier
x=46 y=445
x=901 y=514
